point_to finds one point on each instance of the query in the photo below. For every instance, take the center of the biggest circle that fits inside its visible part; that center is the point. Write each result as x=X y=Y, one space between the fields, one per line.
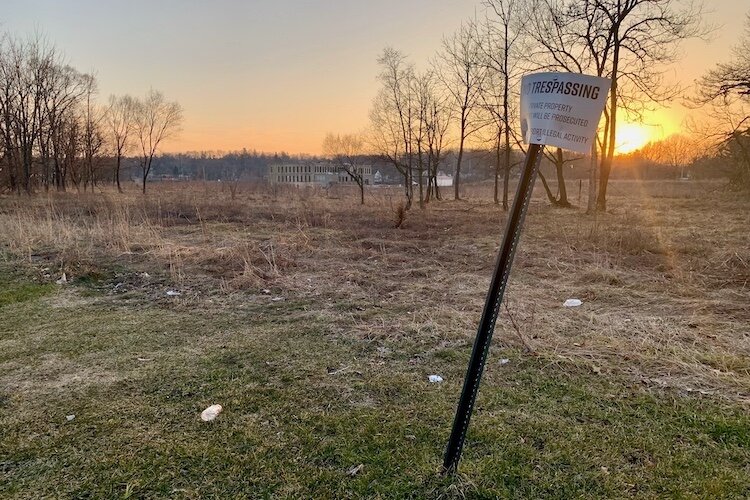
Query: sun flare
x=632 y=136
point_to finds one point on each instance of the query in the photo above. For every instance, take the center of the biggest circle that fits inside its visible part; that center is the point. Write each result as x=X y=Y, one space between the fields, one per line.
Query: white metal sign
x=562 y=109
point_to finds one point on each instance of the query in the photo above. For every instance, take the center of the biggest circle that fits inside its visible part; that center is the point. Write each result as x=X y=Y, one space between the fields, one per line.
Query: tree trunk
x=506 y=181
x=591 y=206
x=420 y=175
x=117 y=173
x=506 y=124
x=496 y=197
x=608 y=155
x=457 y=176
x=559 y=166
x=547 y=190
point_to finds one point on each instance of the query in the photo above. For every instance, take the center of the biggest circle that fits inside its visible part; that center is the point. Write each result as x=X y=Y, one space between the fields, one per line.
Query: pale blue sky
x=266 y=74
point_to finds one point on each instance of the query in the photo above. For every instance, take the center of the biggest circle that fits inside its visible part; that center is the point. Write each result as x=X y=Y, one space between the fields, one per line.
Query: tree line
x=54 y=134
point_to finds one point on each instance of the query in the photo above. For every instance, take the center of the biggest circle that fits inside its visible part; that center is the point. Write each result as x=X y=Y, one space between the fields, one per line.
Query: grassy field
x=315 y=322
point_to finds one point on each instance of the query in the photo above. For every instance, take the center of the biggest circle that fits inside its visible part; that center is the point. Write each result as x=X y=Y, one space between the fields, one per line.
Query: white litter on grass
x=173 y=293
x=70 y=418
x=353 y=471
x=277 y=299
x=435 y=379
x=504 y=361
x=211 y=413
x=572 y=303
x=63 y=279
x=266 y=291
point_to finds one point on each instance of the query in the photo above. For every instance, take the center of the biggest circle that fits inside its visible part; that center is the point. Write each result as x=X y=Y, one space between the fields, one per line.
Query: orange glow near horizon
x=655 y=126
x=632 y=136
x=263 y=76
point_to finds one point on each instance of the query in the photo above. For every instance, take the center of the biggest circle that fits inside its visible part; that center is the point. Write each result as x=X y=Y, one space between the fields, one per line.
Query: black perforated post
x=492 y=308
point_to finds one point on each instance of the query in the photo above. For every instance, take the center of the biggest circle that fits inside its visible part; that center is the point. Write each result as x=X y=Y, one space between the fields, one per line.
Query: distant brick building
x=314 y=174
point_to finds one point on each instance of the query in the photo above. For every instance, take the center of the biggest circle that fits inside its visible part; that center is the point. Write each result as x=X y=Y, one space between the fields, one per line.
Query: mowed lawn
x=315 y=323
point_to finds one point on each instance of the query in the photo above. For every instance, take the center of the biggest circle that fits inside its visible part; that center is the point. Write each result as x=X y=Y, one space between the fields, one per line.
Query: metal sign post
x=557 y=109
x=492 y=308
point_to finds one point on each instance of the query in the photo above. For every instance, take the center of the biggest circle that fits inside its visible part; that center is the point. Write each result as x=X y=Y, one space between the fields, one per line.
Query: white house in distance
x=443 y=179
x=314 y=174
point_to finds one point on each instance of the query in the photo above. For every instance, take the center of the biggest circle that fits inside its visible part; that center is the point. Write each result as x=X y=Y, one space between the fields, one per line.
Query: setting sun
x=632 y=136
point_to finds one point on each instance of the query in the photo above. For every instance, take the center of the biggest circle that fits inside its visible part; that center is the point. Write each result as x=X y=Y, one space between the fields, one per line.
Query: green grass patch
x=304 y=405
x=23 y=292
x=17 y=287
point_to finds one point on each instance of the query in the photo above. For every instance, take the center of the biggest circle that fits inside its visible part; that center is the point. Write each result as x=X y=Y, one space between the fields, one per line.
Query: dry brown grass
x=665 y=277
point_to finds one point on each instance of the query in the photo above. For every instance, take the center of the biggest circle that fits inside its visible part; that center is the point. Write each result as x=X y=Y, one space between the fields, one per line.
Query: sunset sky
x=277 y=75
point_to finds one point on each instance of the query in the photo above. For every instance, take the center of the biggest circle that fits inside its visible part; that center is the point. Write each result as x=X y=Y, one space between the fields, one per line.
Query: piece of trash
x=173 y=293
x=277 y=299
x=334 y=371
x=572 y=303
x=266 y=291
x=70 y=418
x=435 y=379
x=353 y=471
x=504 y=361
x=63 y=279
x=144 y=359
x=211 y=413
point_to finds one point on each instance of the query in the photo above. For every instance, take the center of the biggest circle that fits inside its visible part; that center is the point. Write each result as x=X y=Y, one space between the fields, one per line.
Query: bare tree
x=437 y=117
x=629 y=41
x=502 y=47
x=120 y=120
x=727 y=90
x=463 y=73
x=28 y=62
x=735 y=148
x=39 y=100
x=93 y=136
x=7 y=115
x=393 y=116
x=69 y=138
x=63 y=90
x=346 y=151
x=731 y=79
x=157 y=119
x=422 y=98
